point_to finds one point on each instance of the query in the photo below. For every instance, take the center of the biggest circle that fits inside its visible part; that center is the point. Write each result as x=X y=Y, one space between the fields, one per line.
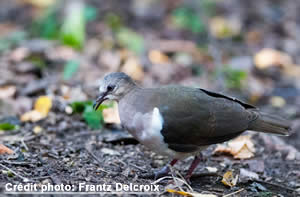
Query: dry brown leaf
x=157 y=57
x=111 y=115
x=62 y=53
x=270 y=57
x=32 y=116
x=72 y=94
x=133 y=68
x=293 y=70
x=19 y=54
x=5 y=150
x=229 y=179
x=254 y=37
x=241 y=148
x=7 y=91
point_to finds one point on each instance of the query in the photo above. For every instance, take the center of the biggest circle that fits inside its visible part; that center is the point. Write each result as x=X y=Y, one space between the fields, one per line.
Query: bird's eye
x=110 y=87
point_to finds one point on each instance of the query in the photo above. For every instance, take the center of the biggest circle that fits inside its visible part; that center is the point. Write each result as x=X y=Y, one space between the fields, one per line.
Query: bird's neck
x=130 y=87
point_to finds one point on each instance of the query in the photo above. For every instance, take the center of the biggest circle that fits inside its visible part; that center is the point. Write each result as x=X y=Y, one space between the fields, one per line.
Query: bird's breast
x=146 y=128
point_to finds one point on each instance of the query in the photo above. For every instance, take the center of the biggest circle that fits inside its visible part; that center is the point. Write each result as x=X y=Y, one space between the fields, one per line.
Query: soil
x=68 y=151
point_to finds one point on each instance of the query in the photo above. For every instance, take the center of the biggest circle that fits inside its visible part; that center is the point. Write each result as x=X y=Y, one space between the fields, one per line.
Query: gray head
x=113 y=87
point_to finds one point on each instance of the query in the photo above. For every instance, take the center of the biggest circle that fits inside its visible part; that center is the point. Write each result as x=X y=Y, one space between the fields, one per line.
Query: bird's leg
x=194 y=164
x=165 y=170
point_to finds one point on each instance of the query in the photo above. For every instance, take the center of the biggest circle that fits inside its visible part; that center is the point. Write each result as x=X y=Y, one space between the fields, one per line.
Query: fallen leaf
x=246 y=175
x=190 y=194
x=211 y=169
x=6 y=126
x=270 y=57
x=93 y=118
x=41 y=3
x=73 y=94
x=70 y=68
x=111 y=115
x=7 y=91
x=37 y=129
x=72 y=31
x=178 y=192
x=41 y=109
x=5 y=150
x=277 y=101
x=19 y=54
x=43 y=105
x=131 y=40
x=292 y=70
x=32 y=116
x=133 y=68
x=221 y=27
x=62 y=53
x=229 y=179
x=157 y=57
x=254 y=37
x=241 y=148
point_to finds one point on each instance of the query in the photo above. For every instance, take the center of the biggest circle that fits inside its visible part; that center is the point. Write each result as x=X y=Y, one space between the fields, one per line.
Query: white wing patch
x=153 y=129
x=152 y=137
x=157 y=122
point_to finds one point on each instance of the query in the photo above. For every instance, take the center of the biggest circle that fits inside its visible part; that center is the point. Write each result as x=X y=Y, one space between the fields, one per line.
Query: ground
x=63 y=148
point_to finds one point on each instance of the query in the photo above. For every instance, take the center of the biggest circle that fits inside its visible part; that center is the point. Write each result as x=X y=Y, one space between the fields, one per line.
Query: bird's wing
x=196 y=117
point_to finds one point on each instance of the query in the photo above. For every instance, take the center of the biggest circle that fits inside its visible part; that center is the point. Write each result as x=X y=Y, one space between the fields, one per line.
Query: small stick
x=234 y=192
x=99 y=162
x=25 y=146
x=141 y=169
x=15 y=173
x=21 y=163
x=275 y=185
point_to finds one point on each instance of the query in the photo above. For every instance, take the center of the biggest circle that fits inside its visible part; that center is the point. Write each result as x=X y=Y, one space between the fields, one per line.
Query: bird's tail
x=269 y=124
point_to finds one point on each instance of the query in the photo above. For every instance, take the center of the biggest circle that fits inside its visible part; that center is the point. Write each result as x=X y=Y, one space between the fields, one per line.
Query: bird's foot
x=162 y=172
x=188 y=179
x=157 y=174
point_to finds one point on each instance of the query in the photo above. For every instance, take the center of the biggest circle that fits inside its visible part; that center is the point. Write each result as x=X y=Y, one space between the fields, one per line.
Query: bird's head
x=113 y=87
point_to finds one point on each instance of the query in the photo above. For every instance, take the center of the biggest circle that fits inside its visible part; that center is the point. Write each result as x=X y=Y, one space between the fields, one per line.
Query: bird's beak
x=99 y=100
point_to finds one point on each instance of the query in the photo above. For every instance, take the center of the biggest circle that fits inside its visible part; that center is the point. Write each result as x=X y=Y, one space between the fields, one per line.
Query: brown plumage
x=181 y=121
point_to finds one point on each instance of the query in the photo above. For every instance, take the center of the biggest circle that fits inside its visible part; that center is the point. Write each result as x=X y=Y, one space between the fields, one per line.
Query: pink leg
x=165 y=170
x=194 y=164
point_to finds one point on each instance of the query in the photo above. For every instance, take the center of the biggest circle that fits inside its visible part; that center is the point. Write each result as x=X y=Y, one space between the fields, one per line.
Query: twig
x=206 y=174
x=141 y=169
x=167 y=177
x=99 y=162
x=15 y=173
x=276 y=185
x=41 y=177
x=19 y=163
x=234 y=193
x=25 y=146
x=178 y=185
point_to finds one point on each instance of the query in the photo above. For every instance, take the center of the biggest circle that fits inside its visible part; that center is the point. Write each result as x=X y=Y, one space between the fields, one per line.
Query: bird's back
x=190 y=116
